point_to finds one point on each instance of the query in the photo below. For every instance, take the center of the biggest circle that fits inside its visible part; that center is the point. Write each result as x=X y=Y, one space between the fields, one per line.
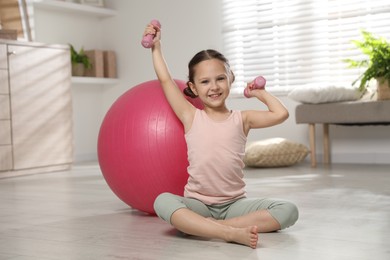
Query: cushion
x=274 y=152
x=316 y=94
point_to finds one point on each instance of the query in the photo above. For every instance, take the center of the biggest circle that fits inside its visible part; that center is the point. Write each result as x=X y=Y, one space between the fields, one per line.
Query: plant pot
x=383 y=89
x=78 y=69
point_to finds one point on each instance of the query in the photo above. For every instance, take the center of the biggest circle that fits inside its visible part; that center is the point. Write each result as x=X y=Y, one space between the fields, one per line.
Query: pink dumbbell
x=258 y=83
x=147 y=40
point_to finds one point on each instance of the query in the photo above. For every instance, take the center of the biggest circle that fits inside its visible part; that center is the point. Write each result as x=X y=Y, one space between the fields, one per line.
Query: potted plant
x=80 y=61
x=377 y=50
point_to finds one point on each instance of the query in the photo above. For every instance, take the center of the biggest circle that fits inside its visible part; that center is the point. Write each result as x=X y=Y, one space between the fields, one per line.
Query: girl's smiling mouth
x=214 y=96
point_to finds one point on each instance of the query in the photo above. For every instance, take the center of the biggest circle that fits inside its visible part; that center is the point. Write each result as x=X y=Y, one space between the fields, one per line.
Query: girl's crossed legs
x=237 y=221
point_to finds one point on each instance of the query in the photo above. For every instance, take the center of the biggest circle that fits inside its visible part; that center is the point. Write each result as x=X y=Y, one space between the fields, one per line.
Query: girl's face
x=211 y=82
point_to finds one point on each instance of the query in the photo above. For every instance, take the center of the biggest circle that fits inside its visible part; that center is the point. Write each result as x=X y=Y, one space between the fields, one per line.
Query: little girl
x=215 y=204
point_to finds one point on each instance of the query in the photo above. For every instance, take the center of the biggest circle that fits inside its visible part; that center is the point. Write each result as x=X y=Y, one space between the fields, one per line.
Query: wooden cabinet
x=36 y=108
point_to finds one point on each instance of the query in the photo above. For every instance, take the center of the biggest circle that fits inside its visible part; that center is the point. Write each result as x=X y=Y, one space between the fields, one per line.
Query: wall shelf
x=95 y=81
x=63 y=6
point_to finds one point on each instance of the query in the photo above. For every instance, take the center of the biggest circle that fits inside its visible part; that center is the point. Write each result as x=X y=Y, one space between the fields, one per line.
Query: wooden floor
x=344 y=214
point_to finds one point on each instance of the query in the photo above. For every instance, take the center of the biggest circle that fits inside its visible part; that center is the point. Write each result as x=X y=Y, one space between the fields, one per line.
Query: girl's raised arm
x=184 y=110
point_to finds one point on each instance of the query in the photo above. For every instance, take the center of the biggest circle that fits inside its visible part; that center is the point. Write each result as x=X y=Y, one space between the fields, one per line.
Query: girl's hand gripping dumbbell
x=147 y=40
x=258 y=83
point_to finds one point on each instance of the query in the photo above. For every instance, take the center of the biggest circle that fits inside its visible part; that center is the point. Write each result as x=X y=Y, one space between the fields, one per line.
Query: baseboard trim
x=85 y=157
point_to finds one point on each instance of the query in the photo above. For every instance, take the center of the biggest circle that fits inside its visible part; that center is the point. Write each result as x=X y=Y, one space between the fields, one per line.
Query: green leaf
x=79 y=57
x=377 y=50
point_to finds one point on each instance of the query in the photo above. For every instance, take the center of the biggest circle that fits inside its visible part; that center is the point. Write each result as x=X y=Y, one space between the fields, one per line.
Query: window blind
x=297 y=42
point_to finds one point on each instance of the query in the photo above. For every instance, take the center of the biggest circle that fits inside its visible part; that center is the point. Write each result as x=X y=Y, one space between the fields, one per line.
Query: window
x=297 y=42
x=14 y=18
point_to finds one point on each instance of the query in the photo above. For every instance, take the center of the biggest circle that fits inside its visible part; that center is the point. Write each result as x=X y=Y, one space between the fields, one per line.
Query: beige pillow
x=274 y=152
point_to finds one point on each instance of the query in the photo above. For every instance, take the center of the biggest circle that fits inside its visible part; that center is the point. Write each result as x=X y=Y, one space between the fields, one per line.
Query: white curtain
x=297 y=42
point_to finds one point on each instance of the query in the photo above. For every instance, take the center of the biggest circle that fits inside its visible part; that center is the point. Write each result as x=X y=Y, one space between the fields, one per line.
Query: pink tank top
x=215 y=153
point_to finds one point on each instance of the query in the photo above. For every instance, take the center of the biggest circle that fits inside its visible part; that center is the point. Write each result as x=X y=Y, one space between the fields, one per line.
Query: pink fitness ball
x=141 y=147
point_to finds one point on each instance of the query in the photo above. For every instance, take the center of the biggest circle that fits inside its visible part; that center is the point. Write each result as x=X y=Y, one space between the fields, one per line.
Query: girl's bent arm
x=276 y=113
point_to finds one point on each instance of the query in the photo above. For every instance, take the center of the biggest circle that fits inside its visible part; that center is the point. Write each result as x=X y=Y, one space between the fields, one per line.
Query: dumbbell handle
x=147 y=40
x=258 y=83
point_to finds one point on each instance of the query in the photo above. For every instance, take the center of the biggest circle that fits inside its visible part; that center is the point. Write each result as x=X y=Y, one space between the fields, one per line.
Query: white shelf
x=63 y=6
x=94 y=81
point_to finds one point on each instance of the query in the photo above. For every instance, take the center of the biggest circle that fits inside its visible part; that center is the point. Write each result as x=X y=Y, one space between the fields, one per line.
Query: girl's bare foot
x=246 y=236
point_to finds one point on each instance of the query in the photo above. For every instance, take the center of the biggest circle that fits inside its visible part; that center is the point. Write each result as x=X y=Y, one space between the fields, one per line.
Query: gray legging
x=286 y=213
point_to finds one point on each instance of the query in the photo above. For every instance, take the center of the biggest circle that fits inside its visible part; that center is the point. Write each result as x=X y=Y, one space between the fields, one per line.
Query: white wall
x=82 y=31
x=188 y=26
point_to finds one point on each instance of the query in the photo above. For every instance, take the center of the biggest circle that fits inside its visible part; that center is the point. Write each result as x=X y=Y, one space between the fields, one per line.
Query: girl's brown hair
x=199 y=57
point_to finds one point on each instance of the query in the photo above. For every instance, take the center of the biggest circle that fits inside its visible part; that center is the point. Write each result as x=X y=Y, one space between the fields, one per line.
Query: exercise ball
x=141 y=146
